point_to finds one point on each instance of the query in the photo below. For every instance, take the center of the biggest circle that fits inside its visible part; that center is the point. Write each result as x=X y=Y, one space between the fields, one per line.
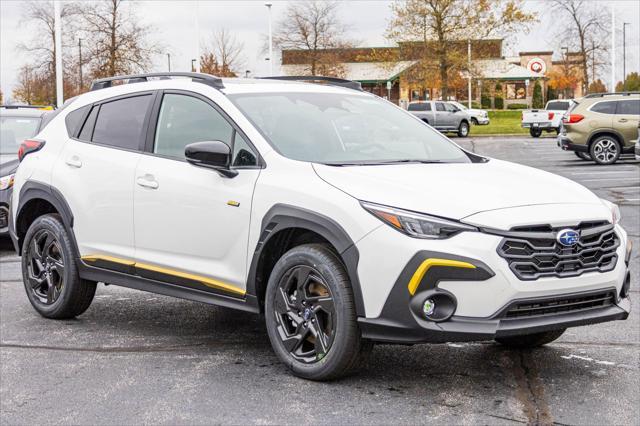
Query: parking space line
x=600 y=180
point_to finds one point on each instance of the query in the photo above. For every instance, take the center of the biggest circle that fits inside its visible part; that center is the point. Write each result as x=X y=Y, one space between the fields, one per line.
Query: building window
x=516 y=91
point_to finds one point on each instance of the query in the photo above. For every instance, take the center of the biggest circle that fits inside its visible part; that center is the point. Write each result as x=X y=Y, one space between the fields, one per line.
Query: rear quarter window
x=74 y=120
x=608 y=107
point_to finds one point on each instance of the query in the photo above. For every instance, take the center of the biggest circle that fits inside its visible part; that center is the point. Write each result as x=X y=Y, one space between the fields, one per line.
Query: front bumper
x=567 y=145
x=482 y=295
x=482 y=121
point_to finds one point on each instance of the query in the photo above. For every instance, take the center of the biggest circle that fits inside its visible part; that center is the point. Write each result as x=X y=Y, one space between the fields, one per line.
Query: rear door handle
x=622 y=120
x=148 y=181
x=74 y=161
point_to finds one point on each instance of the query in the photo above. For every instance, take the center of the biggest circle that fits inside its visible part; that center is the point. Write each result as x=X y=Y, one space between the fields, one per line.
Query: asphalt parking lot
x=135 y=357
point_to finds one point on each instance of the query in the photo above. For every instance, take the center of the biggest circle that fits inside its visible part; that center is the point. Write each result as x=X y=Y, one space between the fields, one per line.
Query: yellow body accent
x=209 y=282
x=233 y=203
x=429 y=263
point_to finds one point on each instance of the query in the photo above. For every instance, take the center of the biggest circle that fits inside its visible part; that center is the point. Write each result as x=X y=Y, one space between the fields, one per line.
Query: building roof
x=360 y=71
x=502 y=69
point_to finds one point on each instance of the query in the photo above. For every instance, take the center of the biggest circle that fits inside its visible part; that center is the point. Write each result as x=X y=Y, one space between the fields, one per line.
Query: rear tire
x=531 y=340
x=605 y=150
x=50 y=273
x=582 y=155
x=535 y=133
x=310 y=314
x=463 y=129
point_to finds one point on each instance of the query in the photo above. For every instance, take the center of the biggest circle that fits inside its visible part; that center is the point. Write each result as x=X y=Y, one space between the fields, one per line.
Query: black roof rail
x=332 y=81
x=601 y=95
x=207 y=79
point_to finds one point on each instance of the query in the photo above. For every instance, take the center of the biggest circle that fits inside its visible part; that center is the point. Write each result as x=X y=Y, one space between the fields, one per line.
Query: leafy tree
x=597 y=86
x=563 y=80
x=435 y=24
x=537 y=101
x=631 y=83
x=313 y=27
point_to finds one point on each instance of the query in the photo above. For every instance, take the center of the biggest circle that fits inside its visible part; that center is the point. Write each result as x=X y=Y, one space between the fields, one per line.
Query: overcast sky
x=174 y=23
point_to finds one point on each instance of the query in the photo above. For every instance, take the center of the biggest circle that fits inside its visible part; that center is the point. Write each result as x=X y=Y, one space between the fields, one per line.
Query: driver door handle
x=74 y=161
x=148 y=181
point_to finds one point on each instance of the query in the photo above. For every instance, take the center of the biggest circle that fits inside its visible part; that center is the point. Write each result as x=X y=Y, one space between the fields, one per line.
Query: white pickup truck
x=548 y=119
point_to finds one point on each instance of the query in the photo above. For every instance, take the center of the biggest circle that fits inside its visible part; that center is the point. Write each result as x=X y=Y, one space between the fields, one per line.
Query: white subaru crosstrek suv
x=341 y=217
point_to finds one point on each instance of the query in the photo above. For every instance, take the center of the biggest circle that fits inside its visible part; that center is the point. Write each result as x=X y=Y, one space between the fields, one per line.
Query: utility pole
x=624 y=56
x=81 y=85
x=269 y=4
x=197 y=25
x=58 y=51
x=613 y=48
x=169 y=61
x=469 y=73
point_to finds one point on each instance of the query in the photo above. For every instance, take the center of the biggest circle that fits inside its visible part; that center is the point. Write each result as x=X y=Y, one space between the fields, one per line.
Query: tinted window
x=420 y=107
x=450 y=108
x=243 y=154
x=558 y=106
x=120 y=123
x=440 y=106
x=184 y=120
x=87 y=129
x=73 y=120
x=604 y=107
x=630 y=107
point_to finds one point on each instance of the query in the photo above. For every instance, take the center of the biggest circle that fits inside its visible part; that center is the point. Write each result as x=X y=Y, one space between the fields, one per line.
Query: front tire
x=531 y=340
x=50 y=273
x=463 y=129
x=310 y=314
x=474 y=121
x=605 y=150
x=535 y=133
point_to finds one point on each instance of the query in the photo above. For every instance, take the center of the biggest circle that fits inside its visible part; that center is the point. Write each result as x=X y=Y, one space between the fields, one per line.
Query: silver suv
x=443 y=116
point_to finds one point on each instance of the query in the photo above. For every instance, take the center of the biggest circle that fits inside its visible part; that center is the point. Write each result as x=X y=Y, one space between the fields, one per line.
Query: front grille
x=4 y=217
x=533 y=252
x=560 y=305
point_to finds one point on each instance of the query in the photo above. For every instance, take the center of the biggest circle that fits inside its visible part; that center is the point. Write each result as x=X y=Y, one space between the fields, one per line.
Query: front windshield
x=13 y=130
x=335 y=128
x=459 y=105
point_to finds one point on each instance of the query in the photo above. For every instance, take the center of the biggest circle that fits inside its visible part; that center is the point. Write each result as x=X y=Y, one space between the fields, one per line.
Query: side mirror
x=214 y=155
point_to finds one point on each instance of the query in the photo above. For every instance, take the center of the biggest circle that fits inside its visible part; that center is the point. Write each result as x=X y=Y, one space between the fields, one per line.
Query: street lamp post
x=169 y=61
x=624 y=56
x=80 y=83
x=269 y=4
x=469 y=73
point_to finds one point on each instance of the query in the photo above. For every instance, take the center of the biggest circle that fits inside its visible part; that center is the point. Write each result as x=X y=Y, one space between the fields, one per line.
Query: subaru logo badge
x=568 y=237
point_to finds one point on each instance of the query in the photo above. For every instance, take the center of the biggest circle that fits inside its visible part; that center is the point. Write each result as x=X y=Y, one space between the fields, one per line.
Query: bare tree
x=584 y=32
x=39 y=15
x=118 y=43
x=223 y=56
x=439 y=24
x=314 y=27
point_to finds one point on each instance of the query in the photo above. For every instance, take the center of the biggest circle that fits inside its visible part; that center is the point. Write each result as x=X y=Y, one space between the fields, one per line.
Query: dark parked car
x=17 y=123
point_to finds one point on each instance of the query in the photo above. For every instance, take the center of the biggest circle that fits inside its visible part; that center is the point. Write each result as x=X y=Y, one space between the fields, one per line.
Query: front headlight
x=416 y=225
x=615 y=211
x=6 y=181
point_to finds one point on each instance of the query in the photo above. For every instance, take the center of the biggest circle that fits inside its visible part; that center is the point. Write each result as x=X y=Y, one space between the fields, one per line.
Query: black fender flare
x=32 y=190
x=284 y=216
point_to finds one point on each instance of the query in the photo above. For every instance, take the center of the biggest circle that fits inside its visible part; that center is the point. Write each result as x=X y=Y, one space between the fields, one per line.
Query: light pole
x=269 y=4
x=193 y=65
x=246 y=73
x=613 y=47
x=58 y=52
x=469 y=73
x=624 y=56
x=80 y=85
x=169 y=61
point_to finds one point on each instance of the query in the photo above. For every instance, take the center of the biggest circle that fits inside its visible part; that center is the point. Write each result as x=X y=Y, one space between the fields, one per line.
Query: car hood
x=455 y=190
x=8 y=164
x=476 y=111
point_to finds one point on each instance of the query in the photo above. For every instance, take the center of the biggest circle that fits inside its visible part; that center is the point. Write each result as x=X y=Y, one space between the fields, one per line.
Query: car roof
x=21 y=111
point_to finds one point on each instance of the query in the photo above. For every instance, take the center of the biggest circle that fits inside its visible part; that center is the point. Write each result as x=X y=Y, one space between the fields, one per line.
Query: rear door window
x=440 y=106
x=608 y=107
x=120 y=123
x=630 y=107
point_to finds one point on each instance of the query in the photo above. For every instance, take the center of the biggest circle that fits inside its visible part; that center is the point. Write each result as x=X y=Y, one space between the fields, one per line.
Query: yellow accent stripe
x=429 y=263
x=209 y=282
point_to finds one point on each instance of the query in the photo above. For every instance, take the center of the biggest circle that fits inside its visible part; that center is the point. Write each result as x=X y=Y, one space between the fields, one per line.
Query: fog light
x=428 y=308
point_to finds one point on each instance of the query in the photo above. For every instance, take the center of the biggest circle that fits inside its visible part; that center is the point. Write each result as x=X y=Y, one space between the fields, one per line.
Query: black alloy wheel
x=305 y=314
x=45 y=267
